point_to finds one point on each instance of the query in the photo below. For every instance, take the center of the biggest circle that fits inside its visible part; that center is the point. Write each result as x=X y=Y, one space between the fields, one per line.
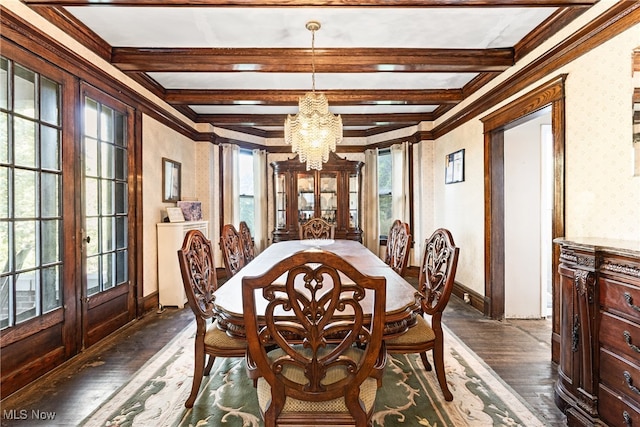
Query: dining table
x=402 y=299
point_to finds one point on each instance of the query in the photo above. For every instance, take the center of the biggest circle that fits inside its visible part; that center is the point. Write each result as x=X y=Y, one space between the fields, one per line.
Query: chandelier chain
x=313 y=60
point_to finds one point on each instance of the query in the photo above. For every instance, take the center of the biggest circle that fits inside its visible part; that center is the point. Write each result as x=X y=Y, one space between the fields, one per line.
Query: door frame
x=551 y=94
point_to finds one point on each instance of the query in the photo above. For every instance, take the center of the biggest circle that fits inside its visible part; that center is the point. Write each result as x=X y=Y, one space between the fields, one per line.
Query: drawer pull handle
x=629 y=300
x=627 y=418
x=629 y=381
x=627 y=338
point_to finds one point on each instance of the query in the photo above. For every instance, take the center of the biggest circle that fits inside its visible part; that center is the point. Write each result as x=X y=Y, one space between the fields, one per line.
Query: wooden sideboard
x=599 y=368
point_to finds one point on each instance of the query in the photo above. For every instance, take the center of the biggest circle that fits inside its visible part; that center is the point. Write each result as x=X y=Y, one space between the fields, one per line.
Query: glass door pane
x=328 y=197
x=306 y=197
x=281 y=202
x=354 y=199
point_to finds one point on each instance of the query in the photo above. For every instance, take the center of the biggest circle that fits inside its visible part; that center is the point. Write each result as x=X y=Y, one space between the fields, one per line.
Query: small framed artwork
x=175 y=215
x=454 y=167
x=171 y=180
x=191 y=210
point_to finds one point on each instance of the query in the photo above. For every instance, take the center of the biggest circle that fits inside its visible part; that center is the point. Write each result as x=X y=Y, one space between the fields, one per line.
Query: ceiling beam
x=318 y=3
x=347 y=119
x=349 y=60
x=290 y=97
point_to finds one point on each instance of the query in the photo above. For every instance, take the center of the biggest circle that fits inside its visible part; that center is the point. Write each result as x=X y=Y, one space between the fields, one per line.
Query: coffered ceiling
x=242 y=65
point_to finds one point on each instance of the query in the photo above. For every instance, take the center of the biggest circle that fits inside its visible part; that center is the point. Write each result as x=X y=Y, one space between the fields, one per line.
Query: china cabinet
x=333 y=193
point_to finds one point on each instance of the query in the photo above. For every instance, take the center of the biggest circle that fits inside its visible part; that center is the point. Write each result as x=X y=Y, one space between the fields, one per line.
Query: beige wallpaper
x=459 y=207
x=158 y=142
x=602 y=195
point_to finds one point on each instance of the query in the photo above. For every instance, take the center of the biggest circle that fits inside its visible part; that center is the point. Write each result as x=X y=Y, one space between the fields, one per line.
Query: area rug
x=410 y=396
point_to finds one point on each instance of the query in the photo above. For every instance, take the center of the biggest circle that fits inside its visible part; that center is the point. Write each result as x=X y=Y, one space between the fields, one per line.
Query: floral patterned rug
x=410 y=396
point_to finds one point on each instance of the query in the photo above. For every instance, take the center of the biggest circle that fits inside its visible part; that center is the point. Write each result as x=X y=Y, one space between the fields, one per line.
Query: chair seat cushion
x=420 y=333
x=368 y=389
x=216 y=337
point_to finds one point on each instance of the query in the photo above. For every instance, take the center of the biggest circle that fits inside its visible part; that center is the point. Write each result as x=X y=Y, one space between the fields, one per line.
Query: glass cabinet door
x=281 y=201
x=328 y=197
x=354 y=199
x=306 y=197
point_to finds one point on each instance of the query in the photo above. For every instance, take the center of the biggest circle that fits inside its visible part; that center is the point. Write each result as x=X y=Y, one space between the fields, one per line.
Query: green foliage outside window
x=385 y=182
x=246 y=190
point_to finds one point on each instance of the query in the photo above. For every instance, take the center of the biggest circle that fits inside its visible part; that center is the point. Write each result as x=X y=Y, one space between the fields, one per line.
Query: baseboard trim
x=148 y=303
x=476 y=300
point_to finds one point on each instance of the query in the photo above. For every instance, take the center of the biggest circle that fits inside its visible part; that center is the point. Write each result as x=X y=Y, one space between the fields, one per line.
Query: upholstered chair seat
x=367 y=395
x=217 y=339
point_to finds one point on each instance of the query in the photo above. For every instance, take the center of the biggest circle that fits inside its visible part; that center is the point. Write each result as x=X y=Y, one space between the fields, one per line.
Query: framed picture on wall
x=171 y=180
x=454 y=167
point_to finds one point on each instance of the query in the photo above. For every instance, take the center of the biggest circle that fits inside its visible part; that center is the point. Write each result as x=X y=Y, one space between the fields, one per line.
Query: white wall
x=523 y=291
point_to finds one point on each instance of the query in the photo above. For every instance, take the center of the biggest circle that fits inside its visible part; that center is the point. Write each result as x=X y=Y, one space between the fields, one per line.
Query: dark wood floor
x=519 y=351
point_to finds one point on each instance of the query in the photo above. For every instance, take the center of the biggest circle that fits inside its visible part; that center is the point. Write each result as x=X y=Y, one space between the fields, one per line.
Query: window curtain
x=400 y=181
x=230 y=186
x=371 y=234
x=260 y=214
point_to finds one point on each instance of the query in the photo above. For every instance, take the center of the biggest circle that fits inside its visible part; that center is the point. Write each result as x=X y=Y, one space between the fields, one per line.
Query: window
x=385 y=186
x=246 y=187
x=30 y=194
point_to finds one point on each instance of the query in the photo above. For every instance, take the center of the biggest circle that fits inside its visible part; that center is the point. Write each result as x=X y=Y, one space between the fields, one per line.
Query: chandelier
x=314 y=131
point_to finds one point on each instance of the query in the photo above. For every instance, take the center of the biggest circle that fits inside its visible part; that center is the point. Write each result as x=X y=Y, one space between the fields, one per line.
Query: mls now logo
x=23 y=414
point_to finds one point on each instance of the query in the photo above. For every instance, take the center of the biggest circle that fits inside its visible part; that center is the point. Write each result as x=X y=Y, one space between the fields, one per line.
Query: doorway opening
x=549 y=95
x=528 y=194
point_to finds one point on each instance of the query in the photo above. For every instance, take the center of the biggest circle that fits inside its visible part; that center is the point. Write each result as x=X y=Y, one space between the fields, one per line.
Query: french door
x=67 y=199
x=107 y=293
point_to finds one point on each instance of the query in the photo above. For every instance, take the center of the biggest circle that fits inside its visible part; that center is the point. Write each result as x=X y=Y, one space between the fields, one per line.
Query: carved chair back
x=247 y=242
x=317 y=228
x=437 y=273
x=315 y=344
x=232 y=251
x=398 y=246
x=198 y=274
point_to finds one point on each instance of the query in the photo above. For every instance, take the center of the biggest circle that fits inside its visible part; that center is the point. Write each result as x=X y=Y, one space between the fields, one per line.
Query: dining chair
x=317 y=228
x=315 y=355
x=398 y=247
x=232 y=251
x=248 y=247
x=199 y=280
x=436 y=278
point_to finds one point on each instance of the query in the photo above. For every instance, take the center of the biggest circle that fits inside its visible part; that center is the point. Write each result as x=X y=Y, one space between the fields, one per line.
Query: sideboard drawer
x=621 y=298
x=616 y=411
x=620 y=375
x=620 y=336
